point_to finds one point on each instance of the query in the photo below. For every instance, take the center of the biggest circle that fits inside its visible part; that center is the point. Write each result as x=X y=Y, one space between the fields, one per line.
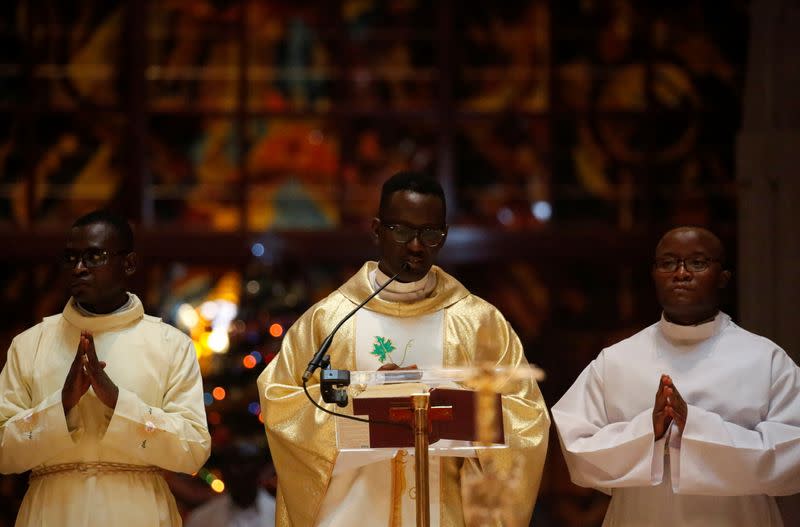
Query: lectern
x=448 y=412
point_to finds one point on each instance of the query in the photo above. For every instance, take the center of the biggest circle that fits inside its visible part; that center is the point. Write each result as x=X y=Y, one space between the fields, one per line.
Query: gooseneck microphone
x=318 y=358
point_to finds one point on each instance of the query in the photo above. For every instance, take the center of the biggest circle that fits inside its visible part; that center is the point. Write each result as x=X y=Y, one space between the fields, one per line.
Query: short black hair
x=243 y=452
x=715 y=240
x=414 y=182
x=117 y=222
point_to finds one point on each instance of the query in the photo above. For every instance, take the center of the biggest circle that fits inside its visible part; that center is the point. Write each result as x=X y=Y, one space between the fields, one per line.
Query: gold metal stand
x=420 y=404
x=488 y=502
x=420 y=415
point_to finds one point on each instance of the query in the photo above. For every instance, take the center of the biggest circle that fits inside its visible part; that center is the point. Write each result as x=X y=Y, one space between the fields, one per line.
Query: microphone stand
x=333 y=382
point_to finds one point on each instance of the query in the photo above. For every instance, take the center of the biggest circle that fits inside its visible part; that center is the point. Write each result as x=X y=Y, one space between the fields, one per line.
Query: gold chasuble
x=302 y=438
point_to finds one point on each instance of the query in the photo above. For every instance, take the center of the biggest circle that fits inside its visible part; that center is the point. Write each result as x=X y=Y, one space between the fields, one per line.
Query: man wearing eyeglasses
x=425 y=319
x=693 y=421
x=98 y=400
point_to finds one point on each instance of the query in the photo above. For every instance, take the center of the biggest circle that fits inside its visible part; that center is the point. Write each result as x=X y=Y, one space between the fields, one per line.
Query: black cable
x=354 y=418
x=319 y=356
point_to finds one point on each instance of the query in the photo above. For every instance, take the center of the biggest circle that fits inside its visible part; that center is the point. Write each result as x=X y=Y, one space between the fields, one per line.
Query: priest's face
x=689 y=276
x=410 y=234
x=97 y=267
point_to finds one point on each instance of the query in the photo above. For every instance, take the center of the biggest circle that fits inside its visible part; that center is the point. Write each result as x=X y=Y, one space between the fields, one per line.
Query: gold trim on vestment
x=91 y=469
x=398 y=487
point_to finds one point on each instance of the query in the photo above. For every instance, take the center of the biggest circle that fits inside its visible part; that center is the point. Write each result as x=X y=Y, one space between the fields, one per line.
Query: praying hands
x=86 y=370
x=669 y=406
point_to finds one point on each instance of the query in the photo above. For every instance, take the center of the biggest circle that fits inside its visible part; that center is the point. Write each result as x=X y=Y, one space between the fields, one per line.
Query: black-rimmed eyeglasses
x=428 y=236
x=695 y=264
x=91 y=257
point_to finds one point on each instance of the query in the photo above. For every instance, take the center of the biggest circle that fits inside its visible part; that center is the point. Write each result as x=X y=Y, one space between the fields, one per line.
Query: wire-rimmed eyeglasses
x=91 y=258
x=428 y=236
x=694 y=264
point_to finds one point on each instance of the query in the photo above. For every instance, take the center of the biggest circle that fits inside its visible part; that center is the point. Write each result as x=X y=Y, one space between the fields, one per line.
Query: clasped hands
x=85 y=371
x=669 y=407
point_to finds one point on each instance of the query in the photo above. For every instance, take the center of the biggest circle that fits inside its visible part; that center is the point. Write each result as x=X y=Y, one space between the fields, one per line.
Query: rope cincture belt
x=90 y=469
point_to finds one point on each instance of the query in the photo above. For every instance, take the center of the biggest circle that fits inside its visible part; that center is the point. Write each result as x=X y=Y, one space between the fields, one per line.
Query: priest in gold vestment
x=428 y=320
x=98 y=400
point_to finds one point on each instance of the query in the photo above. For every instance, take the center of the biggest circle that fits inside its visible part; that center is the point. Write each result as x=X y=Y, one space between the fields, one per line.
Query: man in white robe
x=98 y=400
x=426 y=319
x=246 y=469
x=693 y=421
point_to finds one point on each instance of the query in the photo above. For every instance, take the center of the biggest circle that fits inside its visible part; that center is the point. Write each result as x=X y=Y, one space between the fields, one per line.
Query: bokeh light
x=209 y=310
x=505 y=216
x=187 y=316
x=218 y=393
x=219 y=341
x=253 y=287
x=249 y=362
x=276 y=330
x=542 y=210
x=257 y=249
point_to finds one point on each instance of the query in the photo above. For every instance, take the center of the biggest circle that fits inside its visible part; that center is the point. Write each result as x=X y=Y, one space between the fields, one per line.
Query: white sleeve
x=717 y=457
x=603 y=454
x=30 y=432
x=173 y=435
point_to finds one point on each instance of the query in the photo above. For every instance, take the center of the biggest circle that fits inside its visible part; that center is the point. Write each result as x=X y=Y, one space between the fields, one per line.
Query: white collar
x=695 y=333
x=403 y=291
x=124 y=307
x=127 y=314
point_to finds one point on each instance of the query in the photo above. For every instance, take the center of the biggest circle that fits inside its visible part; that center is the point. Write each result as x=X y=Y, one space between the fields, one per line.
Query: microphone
x=319 y=357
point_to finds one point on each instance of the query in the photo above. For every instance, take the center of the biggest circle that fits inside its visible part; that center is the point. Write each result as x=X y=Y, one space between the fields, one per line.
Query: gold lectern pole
x=421 y=404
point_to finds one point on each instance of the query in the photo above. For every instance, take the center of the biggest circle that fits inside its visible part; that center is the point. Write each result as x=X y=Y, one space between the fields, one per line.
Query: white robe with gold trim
x=159 y=420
